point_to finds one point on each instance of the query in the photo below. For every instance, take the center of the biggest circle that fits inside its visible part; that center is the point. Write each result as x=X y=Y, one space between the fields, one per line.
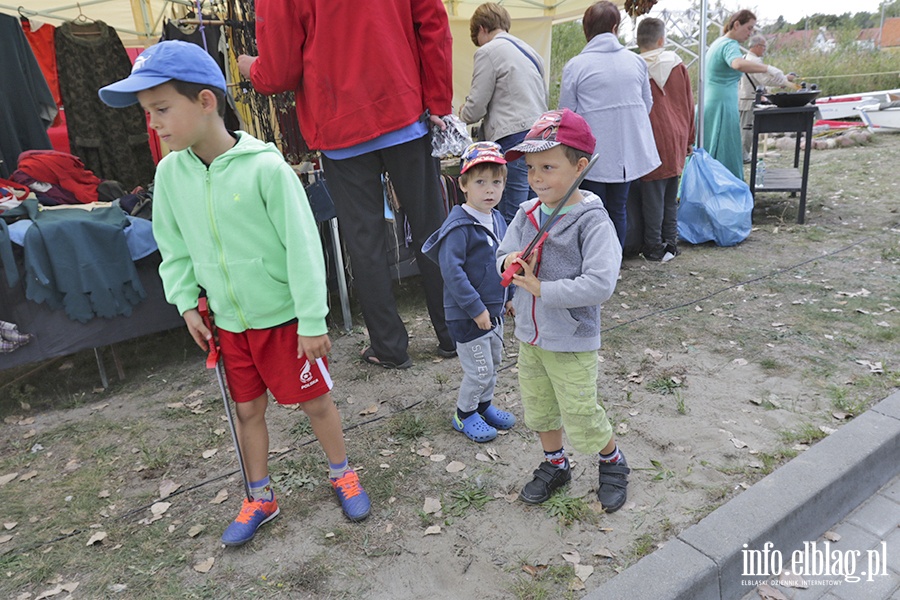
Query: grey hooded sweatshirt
x=578 y=266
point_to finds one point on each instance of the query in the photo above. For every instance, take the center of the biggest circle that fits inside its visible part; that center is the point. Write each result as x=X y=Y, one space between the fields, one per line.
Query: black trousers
x=356 y=188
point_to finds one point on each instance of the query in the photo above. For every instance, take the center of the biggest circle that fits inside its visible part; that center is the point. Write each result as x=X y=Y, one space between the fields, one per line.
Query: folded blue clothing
x=138 y=236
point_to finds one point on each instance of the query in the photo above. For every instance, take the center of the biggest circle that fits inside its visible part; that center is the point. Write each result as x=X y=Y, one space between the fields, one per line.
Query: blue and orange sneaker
x=253 y=514
x=354 y=500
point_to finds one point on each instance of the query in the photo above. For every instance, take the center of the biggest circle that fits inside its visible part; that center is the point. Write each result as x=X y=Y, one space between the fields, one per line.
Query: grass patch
x=568 y=509
x=665 y=384
x=641 y=547
x=461 y=501
x=807 y=434
x=407 y=427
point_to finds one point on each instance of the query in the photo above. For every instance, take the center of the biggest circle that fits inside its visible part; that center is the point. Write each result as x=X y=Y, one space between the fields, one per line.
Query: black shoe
x=547 y=479
x=446 y=353
x=613 y=488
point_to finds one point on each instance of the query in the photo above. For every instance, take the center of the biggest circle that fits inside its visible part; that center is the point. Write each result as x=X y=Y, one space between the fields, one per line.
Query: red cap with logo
x=553 y=128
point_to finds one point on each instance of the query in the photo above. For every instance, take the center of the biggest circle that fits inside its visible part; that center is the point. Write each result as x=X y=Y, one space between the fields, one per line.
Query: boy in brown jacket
x=652 y=200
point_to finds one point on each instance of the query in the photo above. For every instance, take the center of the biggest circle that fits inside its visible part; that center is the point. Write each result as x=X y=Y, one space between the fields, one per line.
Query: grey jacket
x=608 y=86
x=507 y=91
x=578 y=267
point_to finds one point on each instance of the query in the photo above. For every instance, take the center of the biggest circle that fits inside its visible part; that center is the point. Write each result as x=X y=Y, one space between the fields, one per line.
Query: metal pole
x=881 y=28
x=704 y=14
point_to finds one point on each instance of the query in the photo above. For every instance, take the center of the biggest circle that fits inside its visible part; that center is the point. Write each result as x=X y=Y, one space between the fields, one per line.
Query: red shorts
x=261 y=359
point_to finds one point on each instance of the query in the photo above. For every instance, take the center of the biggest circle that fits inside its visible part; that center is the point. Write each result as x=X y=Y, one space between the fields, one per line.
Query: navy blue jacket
x=466 y=252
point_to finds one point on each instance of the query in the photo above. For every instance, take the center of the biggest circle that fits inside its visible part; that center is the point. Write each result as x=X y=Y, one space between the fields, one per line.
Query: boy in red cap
x=474 y=301
x=557 y=307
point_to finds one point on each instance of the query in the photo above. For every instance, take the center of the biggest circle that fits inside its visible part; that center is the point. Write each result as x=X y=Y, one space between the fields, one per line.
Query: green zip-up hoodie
x=243 y=230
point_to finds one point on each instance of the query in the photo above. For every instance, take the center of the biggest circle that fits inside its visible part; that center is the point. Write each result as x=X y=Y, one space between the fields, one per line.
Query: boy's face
x=551 y=174
x=177 y=119
x=483 y=189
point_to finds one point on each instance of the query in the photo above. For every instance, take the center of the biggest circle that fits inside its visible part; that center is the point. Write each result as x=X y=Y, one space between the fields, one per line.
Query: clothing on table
x=379 y=75
x=578 y=266
x=608 y=85
x=508 y=94
x=27 y=107
x=112 y=142
x=721 y=120
x=79 y=260
x=747 y=96
x=273 y=270
x=63 y=171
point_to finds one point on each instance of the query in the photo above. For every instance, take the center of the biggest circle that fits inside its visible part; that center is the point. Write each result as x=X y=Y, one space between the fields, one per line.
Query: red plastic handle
x=213 y=357
x=515 y=268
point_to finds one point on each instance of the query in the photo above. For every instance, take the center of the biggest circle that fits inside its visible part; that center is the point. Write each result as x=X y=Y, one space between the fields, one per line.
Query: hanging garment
x=112 y=142
x=26 y=104
x=41 y=37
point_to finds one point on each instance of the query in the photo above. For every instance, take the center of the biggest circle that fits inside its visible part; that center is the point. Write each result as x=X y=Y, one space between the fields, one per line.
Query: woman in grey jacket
x=508 y=92
x=608 y=85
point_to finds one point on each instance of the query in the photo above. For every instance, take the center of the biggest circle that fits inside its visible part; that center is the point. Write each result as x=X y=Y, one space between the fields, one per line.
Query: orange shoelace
x=348 y=484
x=248 y=509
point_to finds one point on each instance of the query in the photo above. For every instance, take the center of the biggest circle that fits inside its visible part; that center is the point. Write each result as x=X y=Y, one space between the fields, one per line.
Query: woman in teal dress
x=725 y=66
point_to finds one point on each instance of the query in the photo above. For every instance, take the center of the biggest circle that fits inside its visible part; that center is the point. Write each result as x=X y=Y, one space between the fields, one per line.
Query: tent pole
x=143 y=17
x=704 y=14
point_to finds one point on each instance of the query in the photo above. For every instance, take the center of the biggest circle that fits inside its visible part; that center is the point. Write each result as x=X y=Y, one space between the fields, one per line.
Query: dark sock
x=611 y=458
x=483 y=406
x=464 y=414
x=557 y=458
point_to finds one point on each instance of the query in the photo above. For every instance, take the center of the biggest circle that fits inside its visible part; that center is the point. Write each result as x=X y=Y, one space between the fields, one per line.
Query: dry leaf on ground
x=604 y=553
x=7 y=478
x=433 y=530
x=767 y=592
x=431 y=506
x=167 y=487
x=96 y=538
x=582 y=572
x=210 y=453
x=572 y=557
x=205 y=566
x=437 y=457
x=5 y=538
x=455 y=466
x=160 y=508
x=832 y=536
x=738 y=443
x=371 y=410
x=534 y=570
x=221 y=497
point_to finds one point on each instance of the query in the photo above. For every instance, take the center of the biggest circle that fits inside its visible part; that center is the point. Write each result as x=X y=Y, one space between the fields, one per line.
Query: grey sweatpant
x=480 y=360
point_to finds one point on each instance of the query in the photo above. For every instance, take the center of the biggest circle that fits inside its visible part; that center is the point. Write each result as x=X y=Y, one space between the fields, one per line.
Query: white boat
x=848 y=105
x=883 y=117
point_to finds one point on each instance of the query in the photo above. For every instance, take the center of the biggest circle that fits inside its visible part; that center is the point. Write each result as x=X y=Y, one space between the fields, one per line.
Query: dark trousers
x=517 y=190
x=652 y=216
x=356 y=188
x=614 y=196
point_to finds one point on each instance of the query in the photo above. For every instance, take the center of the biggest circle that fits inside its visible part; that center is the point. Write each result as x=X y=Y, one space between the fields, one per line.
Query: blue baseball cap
x=164 y=62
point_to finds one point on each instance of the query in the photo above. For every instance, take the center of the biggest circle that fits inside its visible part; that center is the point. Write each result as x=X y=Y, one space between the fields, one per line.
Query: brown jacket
x=672 y=119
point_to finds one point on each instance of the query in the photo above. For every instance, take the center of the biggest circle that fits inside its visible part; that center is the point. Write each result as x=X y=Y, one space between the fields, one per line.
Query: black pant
x=356 y=188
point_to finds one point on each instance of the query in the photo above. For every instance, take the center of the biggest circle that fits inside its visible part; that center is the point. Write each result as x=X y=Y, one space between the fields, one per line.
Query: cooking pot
x=792 y=99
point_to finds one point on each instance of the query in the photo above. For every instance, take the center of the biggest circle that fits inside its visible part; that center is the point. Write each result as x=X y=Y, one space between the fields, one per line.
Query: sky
x=791 y=10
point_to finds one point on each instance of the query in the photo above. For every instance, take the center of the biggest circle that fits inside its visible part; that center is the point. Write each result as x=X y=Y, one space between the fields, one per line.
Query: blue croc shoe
x=500 y=419
x=474 y=428
x=354 y=500
x=253 y=514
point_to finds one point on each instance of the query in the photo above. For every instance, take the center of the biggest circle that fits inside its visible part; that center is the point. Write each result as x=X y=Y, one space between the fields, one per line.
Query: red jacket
x=359 y=69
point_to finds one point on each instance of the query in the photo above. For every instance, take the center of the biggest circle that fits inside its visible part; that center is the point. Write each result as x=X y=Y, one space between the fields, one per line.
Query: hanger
x=89 y=27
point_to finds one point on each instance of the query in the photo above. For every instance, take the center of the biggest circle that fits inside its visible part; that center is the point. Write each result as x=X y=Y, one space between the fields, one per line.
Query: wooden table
x=798 y=120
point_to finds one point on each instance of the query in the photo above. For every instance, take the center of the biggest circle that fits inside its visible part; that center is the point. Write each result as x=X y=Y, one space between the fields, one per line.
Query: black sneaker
x=443 y=353
x=613 y=488
x=547 y=479
x=671 y=252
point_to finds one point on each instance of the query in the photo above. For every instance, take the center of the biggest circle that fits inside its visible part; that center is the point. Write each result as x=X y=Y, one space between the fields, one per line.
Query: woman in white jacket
x=508 y=94
x=608 y=85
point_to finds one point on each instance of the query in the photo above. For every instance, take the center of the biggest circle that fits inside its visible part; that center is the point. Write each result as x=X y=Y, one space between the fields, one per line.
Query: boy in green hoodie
x=231 y=216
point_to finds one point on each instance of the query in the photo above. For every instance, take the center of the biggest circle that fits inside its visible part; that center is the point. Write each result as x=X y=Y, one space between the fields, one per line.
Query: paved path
x=848 y=483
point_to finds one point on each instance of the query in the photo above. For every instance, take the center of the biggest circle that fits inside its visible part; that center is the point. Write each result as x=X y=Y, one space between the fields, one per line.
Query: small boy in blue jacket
x=474 y=301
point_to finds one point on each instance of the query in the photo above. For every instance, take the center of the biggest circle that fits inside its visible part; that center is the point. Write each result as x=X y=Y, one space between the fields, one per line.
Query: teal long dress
x=721 y=119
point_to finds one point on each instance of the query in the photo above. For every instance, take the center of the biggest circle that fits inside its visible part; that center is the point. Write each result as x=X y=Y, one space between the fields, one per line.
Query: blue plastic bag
x=715 y=205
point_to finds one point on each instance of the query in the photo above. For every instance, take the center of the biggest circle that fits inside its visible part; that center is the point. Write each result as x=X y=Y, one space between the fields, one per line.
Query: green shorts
x=559 y=389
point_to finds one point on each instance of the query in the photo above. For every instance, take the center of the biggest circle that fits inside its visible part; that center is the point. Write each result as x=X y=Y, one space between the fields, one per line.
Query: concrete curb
x=797 y=502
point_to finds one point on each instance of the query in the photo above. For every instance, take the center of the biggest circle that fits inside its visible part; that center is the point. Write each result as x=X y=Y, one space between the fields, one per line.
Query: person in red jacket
x=368 y=87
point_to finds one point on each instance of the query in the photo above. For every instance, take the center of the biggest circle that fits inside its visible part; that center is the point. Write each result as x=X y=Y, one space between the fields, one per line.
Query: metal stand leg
x=100 y=367
x=341 y=276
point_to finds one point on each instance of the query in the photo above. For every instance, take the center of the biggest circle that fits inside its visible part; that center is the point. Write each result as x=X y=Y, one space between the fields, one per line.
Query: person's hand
x=313 y=347
x=512 y=256
x=510 y=311
x=791 y=76
x=528 y=280
x=484 y=320
x=437 y=121
x=244 y=63
x=197 y=328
